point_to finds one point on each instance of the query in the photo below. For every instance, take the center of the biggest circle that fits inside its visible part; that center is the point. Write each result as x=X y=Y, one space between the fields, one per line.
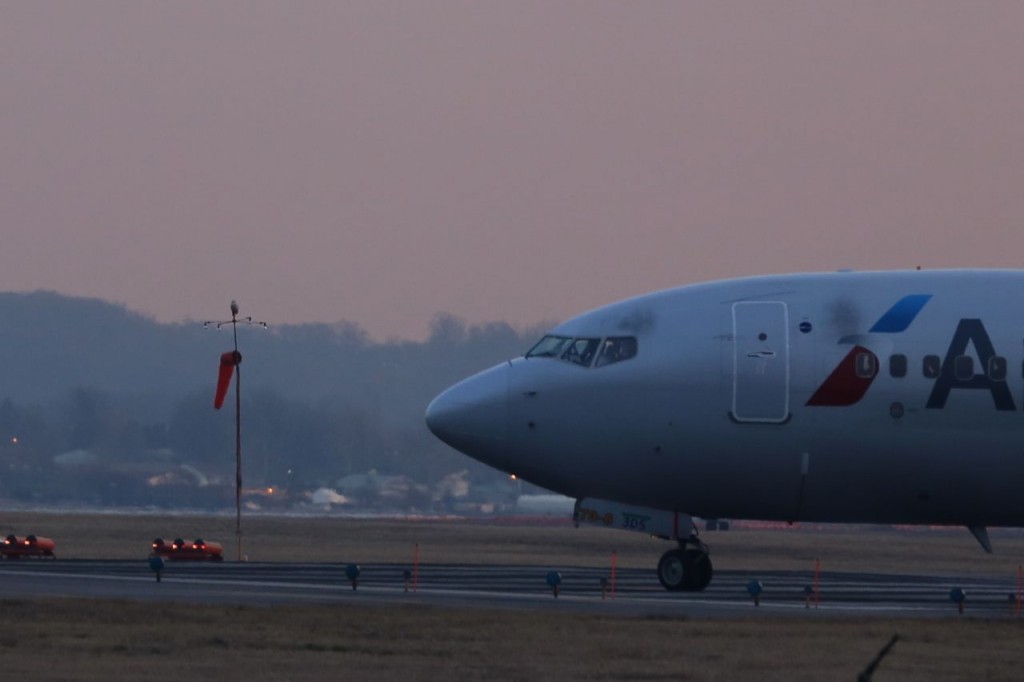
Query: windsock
x=227 y=367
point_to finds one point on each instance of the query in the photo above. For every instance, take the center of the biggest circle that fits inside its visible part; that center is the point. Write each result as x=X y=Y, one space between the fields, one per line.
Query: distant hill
x=130 y=396
x=51 y=343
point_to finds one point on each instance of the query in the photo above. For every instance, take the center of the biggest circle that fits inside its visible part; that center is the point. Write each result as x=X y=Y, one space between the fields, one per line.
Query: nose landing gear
x=687 y=569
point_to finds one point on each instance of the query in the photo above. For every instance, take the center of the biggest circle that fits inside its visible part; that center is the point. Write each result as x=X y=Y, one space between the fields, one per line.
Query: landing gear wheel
x=699 y=569
x=672 y=570
x=685 y=570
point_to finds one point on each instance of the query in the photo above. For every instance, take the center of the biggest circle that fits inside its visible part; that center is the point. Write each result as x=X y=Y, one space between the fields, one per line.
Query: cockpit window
x=549 y=347
x=586 y=351
x=616 y=349
x=581 y=351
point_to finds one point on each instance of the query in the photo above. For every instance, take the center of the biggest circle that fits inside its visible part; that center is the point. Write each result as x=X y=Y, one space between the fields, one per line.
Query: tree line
x=98 y=400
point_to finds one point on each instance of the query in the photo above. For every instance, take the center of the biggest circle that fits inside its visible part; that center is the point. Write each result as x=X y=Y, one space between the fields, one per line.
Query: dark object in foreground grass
x=554 y=580
x=958 y=597
x=156 y=564
x=754 y=589
x=865 y=676
x=352 y=572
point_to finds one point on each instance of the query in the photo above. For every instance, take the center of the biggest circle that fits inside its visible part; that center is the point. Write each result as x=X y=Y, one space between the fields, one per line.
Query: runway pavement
x=637 y=592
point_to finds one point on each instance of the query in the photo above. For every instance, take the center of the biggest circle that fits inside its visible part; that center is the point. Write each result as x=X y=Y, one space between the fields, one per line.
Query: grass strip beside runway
x=80 y=639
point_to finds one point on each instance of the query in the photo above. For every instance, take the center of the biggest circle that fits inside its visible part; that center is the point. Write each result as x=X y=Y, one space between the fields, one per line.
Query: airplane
x=849 y=397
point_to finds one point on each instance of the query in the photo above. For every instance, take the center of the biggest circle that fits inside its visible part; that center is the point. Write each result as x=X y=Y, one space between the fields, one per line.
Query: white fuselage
x=825 y=397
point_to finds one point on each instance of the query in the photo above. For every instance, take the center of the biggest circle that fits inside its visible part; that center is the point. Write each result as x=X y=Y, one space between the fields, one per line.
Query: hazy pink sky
x=522 y=161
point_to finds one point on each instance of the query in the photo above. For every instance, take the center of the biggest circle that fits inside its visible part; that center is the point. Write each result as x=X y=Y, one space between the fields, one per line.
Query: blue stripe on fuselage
x=901 y=314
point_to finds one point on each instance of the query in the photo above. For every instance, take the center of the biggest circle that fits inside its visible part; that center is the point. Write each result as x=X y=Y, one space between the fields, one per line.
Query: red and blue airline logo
x=853 y=376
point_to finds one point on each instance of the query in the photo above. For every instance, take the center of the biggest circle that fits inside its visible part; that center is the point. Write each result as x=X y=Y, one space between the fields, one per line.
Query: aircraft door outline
x=760 y=362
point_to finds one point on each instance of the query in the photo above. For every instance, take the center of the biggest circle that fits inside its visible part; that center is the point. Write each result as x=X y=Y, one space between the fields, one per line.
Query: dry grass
x=78 y=639
x=89 y=640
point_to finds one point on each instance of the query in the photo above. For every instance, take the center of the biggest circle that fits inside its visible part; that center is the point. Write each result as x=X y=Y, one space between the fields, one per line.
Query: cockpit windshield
x=616 y=349
x=549 y=347
x=583 y=350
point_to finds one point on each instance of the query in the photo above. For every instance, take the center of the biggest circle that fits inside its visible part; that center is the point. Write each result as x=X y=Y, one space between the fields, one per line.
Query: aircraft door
x=761 y=362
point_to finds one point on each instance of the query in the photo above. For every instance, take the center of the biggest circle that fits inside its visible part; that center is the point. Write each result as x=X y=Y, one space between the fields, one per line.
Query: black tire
x=699 y=570
x=686 y=570
x=672 y=570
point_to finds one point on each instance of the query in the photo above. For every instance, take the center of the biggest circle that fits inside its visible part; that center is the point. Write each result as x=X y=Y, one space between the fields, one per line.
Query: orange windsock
x=227 y=367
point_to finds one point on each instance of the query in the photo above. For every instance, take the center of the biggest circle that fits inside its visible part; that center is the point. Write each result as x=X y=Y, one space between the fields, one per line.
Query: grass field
x=89 y=640
x=79 y=639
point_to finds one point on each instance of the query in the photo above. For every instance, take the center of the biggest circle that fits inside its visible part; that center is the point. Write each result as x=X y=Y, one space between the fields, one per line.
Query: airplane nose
x=472 y=415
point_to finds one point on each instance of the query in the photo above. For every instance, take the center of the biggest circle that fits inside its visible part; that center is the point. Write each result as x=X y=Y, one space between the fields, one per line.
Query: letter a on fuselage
x=969 y=332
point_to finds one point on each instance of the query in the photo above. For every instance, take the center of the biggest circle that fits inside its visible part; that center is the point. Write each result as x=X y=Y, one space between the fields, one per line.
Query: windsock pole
x=231 y=363
x=238 y=437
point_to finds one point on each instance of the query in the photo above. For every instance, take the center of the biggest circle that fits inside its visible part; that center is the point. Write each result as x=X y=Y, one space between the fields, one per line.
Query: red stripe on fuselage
x=845 y=386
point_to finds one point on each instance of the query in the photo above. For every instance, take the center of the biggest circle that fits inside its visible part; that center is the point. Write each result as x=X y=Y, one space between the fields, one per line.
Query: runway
x=637 y=592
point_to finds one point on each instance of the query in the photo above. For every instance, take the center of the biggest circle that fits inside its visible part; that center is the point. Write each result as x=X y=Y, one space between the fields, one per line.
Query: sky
x=381 y=162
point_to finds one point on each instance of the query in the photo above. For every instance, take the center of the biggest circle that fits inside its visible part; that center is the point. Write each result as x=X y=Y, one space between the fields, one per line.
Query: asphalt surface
x=636 y=592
